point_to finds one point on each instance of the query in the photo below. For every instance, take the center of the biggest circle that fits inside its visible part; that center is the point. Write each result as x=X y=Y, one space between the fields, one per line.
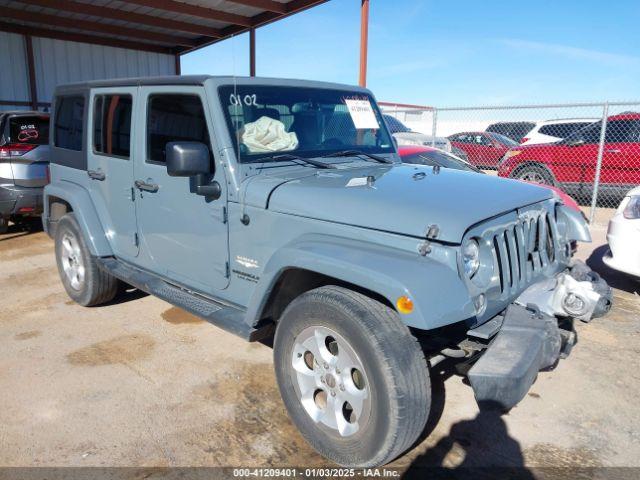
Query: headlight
x=632 y=210
x=470 y=257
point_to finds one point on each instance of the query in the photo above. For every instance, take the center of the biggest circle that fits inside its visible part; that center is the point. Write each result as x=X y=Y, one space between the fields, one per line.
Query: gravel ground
x=141 y=383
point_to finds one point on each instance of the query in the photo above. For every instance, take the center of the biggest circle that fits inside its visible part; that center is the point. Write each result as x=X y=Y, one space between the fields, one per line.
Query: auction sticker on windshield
x=362 y=113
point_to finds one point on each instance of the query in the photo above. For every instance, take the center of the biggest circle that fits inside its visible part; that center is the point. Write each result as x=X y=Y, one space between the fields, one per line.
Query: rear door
x=27 y=146
x=110 y=166
x=576 y=163
x=483 y=150
x=491 y=150
x=183 y=236
x=622 y=152
x=632 y=156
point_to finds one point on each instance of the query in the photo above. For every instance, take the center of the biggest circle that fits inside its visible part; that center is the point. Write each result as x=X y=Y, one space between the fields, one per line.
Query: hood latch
x=432 y=233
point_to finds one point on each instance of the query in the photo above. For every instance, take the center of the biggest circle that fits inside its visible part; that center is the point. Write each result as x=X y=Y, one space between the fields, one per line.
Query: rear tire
x=334 y=346
x=83 y=280
x=534 y=174
x=4 y=225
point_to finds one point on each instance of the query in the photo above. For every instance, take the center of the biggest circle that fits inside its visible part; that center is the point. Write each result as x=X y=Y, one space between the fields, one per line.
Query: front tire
x=83 y=280
x=352 y=377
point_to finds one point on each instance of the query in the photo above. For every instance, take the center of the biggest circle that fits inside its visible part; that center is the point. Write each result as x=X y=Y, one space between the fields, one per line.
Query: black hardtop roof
x=23 y=112
x=192 y=80
x=138 y=81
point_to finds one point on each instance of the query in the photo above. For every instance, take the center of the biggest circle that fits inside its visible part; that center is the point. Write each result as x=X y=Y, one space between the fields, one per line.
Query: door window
x=174 y=118
x=482 y=140
x=623 y=131
x=112 y=125
x=69 y=122
x=561 y=130
x=463 y=138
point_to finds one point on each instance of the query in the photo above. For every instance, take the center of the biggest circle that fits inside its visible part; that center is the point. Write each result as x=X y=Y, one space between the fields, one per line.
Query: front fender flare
x=85 y=212
x=440 y=297
x=574 y=225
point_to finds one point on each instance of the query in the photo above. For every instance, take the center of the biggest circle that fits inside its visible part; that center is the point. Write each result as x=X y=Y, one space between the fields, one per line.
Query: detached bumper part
x=528 y=342
x=577 y=293
x=530 y=339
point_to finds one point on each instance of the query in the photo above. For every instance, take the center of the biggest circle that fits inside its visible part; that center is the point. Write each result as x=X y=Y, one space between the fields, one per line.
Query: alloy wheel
x=332 y=382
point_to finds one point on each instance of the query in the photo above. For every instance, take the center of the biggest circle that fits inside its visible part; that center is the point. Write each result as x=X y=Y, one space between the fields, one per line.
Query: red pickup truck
x=571 y=163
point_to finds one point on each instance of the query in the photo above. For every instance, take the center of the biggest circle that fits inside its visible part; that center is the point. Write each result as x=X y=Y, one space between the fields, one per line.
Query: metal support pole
x=596 y=180
x=177 y=63
x=364 y=38
x=252 y=52
x=33 y=89
x=434 y=126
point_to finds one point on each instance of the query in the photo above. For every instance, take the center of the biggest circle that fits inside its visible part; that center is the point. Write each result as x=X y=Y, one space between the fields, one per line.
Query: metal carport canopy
x=162 y=26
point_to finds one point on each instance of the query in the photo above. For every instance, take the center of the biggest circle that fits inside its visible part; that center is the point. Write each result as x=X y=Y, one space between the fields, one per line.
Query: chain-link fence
x=589 y=150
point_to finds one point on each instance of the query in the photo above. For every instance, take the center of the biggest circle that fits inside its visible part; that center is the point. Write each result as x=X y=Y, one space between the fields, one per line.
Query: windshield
x=513 y=130
x=504 y=140
x=308 y=122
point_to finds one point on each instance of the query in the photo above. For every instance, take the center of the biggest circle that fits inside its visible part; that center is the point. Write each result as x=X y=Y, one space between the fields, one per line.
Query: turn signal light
x=404 y=304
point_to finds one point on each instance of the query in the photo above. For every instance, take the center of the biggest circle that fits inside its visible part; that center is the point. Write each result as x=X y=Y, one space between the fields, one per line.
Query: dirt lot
x=139 y=383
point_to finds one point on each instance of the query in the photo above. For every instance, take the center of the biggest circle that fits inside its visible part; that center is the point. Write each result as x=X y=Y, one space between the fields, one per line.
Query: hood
x=403 y=199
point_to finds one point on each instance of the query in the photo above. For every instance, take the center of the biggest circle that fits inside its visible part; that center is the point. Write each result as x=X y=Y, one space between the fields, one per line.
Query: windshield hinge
x=432 y=233
x=225 y=215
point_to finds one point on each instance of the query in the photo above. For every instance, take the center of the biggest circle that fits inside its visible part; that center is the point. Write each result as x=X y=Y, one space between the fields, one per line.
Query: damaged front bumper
x=534 y=332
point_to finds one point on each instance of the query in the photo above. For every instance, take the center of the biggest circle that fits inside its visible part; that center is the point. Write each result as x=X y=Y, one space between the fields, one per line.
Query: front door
x=110 y=166
x=183 y=236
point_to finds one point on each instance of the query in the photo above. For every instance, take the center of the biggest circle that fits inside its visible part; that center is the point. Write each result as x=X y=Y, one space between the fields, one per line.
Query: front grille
x=524 y=249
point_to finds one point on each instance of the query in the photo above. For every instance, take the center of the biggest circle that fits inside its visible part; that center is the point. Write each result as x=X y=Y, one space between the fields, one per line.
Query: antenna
x=237 y=114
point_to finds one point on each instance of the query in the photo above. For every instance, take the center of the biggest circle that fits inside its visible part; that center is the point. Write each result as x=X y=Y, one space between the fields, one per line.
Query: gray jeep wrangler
x=279 y=210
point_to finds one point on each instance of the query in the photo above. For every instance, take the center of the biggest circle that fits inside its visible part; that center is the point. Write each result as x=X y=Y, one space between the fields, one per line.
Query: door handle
x=147 y=187
x=96 y=175
x=612 y=150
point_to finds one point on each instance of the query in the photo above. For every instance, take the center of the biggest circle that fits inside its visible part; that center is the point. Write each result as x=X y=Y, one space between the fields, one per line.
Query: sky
x=452 y=53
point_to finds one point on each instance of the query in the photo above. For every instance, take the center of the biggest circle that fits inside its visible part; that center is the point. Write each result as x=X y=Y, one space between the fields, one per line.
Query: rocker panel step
x=229 y=318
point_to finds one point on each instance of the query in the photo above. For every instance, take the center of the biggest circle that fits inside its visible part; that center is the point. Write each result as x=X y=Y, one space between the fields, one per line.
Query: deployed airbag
x=268 y=135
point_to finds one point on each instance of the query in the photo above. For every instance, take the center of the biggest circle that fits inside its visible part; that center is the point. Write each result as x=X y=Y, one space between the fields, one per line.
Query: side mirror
x=192 y=159
x=186 y=159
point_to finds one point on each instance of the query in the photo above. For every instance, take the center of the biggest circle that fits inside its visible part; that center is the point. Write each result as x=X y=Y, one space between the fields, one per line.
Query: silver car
x=24 y=161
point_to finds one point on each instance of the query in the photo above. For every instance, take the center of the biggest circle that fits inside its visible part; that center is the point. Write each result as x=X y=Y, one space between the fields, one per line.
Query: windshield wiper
x=358 y=153
x=288 y=156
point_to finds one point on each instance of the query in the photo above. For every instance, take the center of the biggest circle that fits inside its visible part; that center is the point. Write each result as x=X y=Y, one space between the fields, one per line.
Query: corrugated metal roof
x=59 y=62
x=163 y=26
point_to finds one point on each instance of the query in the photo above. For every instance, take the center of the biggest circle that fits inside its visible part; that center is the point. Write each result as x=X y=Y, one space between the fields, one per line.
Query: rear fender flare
x=84 y=210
